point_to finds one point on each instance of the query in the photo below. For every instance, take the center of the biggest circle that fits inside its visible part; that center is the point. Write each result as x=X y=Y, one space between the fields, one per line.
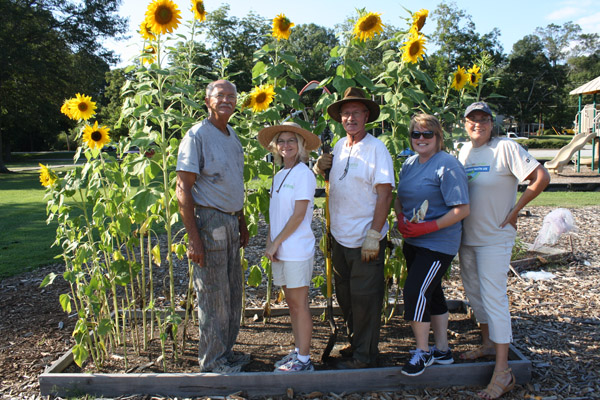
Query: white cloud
x=590 y=23
x=564 y=13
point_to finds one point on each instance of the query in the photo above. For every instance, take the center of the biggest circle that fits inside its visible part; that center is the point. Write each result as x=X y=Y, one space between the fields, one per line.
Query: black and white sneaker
x=418 y=362
x=441 y=357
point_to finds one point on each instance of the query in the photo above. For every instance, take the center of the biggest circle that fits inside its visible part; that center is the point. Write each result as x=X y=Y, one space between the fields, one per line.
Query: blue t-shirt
x=443 y=182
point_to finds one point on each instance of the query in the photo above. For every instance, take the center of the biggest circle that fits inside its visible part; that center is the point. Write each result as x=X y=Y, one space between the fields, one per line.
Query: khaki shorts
x=293 y=274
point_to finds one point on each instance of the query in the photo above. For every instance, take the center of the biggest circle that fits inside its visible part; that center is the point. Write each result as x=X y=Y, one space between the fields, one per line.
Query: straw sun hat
x=266 y=135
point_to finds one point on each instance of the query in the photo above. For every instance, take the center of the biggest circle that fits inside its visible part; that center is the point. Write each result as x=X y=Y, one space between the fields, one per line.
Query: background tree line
x=52 y=49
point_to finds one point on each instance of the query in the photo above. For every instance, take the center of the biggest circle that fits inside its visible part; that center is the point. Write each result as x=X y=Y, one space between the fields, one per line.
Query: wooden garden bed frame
x=55 y=383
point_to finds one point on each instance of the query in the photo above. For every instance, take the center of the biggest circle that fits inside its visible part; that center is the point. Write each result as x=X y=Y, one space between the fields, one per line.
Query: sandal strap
x=495 y=389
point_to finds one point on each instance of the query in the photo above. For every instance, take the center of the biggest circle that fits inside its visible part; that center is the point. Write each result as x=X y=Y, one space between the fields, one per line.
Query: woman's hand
x=271 y=250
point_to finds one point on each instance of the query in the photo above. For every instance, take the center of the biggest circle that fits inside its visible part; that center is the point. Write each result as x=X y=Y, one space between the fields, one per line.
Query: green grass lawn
x=25 y=238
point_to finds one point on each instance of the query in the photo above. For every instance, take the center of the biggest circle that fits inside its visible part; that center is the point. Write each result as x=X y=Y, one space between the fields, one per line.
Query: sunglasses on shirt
x=425 y=134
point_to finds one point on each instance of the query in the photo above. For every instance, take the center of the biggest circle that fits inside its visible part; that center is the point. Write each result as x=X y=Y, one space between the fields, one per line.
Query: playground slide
x=566 y=153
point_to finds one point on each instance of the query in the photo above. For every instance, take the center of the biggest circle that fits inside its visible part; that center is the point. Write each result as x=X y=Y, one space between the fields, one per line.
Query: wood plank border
x=55 y=383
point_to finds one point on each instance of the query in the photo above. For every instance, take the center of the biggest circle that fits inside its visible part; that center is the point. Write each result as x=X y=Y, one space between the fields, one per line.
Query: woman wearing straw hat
x=291 y=242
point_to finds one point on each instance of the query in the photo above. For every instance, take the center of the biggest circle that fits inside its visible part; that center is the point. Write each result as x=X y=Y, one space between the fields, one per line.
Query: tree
x=50 y=50
x=236 y=40
x=459 y=43
x=532 y=86
x=557 y=40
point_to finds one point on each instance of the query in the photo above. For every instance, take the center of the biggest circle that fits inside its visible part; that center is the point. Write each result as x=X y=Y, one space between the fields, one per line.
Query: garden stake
x=328 y=269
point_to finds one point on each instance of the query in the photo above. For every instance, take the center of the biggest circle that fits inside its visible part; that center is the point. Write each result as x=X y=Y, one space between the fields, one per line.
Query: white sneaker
x=290 y=357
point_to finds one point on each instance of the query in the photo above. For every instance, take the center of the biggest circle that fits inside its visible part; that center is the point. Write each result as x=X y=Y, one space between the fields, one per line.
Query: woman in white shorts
x=291 y=242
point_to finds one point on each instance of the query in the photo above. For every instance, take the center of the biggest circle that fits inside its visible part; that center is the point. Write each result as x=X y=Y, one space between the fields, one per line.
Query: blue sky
x=515 y=19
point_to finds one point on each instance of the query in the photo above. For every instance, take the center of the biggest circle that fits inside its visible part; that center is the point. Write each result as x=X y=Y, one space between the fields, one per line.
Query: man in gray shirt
x=210 y=191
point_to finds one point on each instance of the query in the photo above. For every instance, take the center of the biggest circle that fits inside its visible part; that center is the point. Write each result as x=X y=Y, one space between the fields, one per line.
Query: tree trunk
x=3 y=169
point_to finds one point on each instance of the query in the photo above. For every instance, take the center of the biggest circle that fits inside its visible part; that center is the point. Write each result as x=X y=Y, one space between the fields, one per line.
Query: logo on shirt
x=474 y=171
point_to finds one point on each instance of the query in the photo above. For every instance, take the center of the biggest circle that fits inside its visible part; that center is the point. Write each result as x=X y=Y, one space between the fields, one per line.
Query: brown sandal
x=496 y=389
x=479 y=352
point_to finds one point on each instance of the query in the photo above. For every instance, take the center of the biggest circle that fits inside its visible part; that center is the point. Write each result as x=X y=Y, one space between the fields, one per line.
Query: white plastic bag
x=556 y=223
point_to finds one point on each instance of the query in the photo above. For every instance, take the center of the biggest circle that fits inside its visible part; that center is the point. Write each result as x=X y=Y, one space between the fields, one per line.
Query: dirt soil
x=555 y=324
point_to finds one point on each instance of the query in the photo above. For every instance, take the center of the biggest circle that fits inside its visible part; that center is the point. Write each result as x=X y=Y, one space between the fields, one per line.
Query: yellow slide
x=566 y=153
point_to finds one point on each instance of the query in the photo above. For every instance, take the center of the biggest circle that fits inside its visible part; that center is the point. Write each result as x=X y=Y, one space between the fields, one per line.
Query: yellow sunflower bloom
x=413 y=49
x=149 y=55
x=162 y=16
x=474 y=75
x=199 y=10
x=419 y=18
x=282 y=27
x=95 y=136
x=82 y=107
x=367 y=26
x=66 y=108
x=146 y=32
x=261 y=96
x=460 y=78
x=47 y=177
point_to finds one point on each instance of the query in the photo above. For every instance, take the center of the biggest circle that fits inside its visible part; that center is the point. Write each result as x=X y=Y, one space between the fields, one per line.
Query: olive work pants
x=218 y=286
x=359 y=291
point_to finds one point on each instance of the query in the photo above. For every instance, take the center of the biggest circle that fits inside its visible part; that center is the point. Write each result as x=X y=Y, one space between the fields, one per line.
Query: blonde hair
x=302 y=154
x=432 y=123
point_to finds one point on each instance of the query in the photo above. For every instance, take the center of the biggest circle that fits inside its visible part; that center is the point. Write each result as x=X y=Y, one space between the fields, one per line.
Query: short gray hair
x=211 y=86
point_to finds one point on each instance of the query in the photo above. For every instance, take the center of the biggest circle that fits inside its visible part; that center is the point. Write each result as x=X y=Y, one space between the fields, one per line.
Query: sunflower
x=95 y=137
x=460 y=78
x=282 y=27
x=66 y=108
x=149 y=55
x=162 y=16
x=82 y=107
x=474 y=75
x=198 y=9
x=414 y=48
x=419 y=18
x=261 y=96
x=47 y=177
x=367 y=26
x=146 y=32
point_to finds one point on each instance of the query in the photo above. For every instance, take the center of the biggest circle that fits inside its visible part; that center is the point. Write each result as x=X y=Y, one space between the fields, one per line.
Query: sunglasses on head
x=425 y=134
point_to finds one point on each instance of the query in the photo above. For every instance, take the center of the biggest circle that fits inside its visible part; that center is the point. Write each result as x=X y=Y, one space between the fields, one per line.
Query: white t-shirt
x=352 y=199
x=299 y=184
x=494 y=171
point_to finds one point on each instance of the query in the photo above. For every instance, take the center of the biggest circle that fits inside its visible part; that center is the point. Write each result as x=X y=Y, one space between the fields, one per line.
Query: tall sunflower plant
x=110 y=246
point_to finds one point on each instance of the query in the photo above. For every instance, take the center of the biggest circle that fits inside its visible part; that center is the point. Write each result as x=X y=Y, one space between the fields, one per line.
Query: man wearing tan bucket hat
x=361 y=181
x=290 y=241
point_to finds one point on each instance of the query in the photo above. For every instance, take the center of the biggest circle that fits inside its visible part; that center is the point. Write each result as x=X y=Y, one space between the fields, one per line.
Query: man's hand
x=370 y=247
x=271 y=250
x=323 y=163
x=410 y=229
x=195 y=251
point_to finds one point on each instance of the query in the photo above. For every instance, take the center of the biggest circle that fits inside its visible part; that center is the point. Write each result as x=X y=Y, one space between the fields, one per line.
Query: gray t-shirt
x=218 y=162
x=443 y=183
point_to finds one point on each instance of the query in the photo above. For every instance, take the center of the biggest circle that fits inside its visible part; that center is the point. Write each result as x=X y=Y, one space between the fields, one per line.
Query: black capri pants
x=423 y=294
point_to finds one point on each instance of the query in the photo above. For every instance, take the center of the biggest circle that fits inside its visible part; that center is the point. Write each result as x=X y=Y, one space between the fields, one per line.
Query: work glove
x=409 y=229
x=370 y=247
x=323 y=164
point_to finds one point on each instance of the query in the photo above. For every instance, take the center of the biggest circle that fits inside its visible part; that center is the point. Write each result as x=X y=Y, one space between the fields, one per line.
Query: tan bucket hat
x=266 y=135
x=354 y=94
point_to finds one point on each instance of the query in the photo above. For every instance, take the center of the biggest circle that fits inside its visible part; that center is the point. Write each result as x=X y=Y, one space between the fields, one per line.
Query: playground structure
x=587 y=123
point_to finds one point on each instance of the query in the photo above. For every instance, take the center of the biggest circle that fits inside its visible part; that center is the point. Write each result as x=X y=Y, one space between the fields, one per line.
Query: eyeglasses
x=354 y=114
x=229 y=97
x=479 y=121
x=281 y=142
x=418 y=134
